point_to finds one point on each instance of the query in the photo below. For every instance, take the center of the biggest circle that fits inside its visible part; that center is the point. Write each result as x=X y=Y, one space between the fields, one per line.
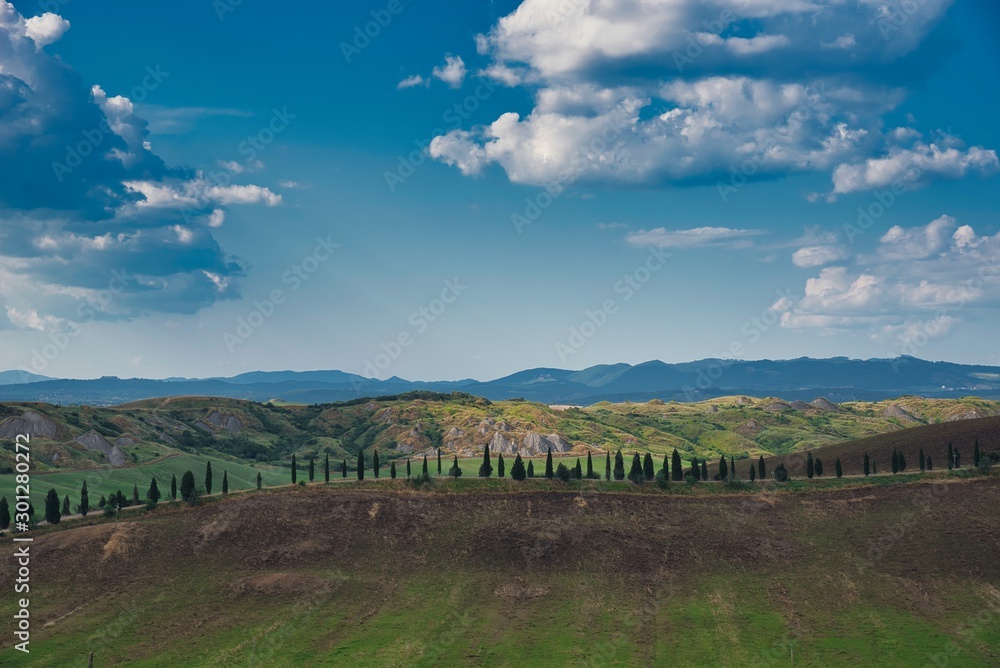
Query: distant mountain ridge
x=838 y=379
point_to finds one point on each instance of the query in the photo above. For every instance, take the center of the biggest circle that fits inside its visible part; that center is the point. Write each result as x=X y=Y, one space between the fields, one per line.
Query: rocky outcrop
x=710 y=409
x=826 y=405
x=749 y=428
x=536 y=444
x=777 y=407
x=454 y=432
x=230 y=423
x=800 y=406
x=486 y=426
x=94 y=441
x=124 y=441
x=972 y=414
x=899 y=413
x=501 y=444
x=33 y=424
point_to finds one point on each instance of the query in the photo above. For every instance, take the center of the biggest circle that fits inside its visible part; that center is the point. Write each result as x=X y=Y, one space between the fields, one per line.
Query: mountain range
x=837 y=379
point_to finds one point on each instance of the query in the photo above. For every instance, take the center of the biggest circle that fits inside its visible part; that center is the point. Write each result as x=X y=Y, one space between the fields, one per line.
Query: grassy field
x=107 y=481
x=361 y=575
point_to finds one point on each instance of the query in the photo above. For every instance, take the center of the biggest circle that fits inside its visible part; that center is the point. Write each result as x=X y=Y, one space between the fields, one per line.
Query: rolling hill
x=378 y=574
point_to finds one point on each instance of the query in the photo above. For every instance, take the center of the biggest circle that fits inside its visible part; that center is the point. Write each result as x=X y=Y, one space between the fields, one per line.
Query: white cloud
x=699 y=236
x=817 y=256
x=452 y=72
x=411 y=82
x=914 y=167
x=932 y=269
x=917 y=242
x=689 y=102
x=199 y=193
x=46 y=28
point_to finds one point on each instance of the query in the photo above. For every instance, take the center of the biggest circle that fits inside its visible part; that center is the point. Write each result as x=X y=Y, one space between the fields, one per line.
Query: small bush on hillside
x=422 y=480
x=689 y=479
x=662 y=479
x=781 y=473
x=563 y=473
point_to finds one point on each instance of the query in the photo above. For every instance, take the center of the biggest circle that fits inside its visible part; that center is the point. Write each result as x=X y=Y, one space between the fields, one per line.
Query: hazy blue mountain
x=17 y=377
x=839 y=379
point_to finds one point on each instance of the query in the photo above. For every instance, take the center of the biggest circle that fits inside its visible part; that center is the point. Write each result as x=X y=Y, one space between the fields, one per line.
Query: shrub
x=780 y=473
x=663 y=479
x=563 y=473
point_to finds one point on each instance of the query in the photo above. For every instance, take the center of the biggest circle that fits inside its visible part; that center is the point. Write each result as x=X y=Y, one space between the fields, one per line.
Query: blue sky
x=484 y=187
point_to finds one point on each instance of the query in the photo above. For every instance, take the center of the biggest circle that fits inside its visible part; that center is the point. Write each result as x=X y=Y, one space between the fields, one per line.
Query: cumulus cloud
x=817 y=256
x=93 y=223
x=689 y=91
x=699 y=236
x=411 y=82
x=46 y=28
x=920 y=275
x=452 y=72
x=914 y=167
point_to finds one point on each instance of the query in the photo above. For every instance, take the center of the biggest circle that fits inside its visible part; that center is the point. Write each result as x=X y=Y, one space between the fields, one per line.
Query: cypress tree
x=732 y=467
x=455 y=471
x=326 y=467
x=295 y=470
x=874 y=467
x=135 y=495
x=810 y=466
x=501 y=470
x=895 y=462
x=951 y=456
x=761 y=468
x=838 y=468
x=695 y=469
x=376 y=466
x=607 y=465
x=439 y=461
x=154 y=491
x=208 y=475
x=343 y=469
x=902 y=462
x=531 y=469
x=704 y=470
x=517 y=471
x=407 y=468
x=578 y=470
x=677 y=469
x=392 y=470
x=361 y=464
x=868 y=465
x=486 y=468
x=930 y=464
x=84 y=500
x=635 y=473
x=549 y=473
x=65 y=506
x=723 y=468
x=312 y=469
x=425 y=465
x=753 y=473
x=187 y=486
x=4 y=513
x=923 y=462
x=648 y=472
x=666 y=466
x=103 y=502
x=975 y=453
x=173 y=487
x=260 y=481
x=590 y=466
x=619 y=466
x=120 y=500
x=52 y=514
x=225 y=481
x=819 y=467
